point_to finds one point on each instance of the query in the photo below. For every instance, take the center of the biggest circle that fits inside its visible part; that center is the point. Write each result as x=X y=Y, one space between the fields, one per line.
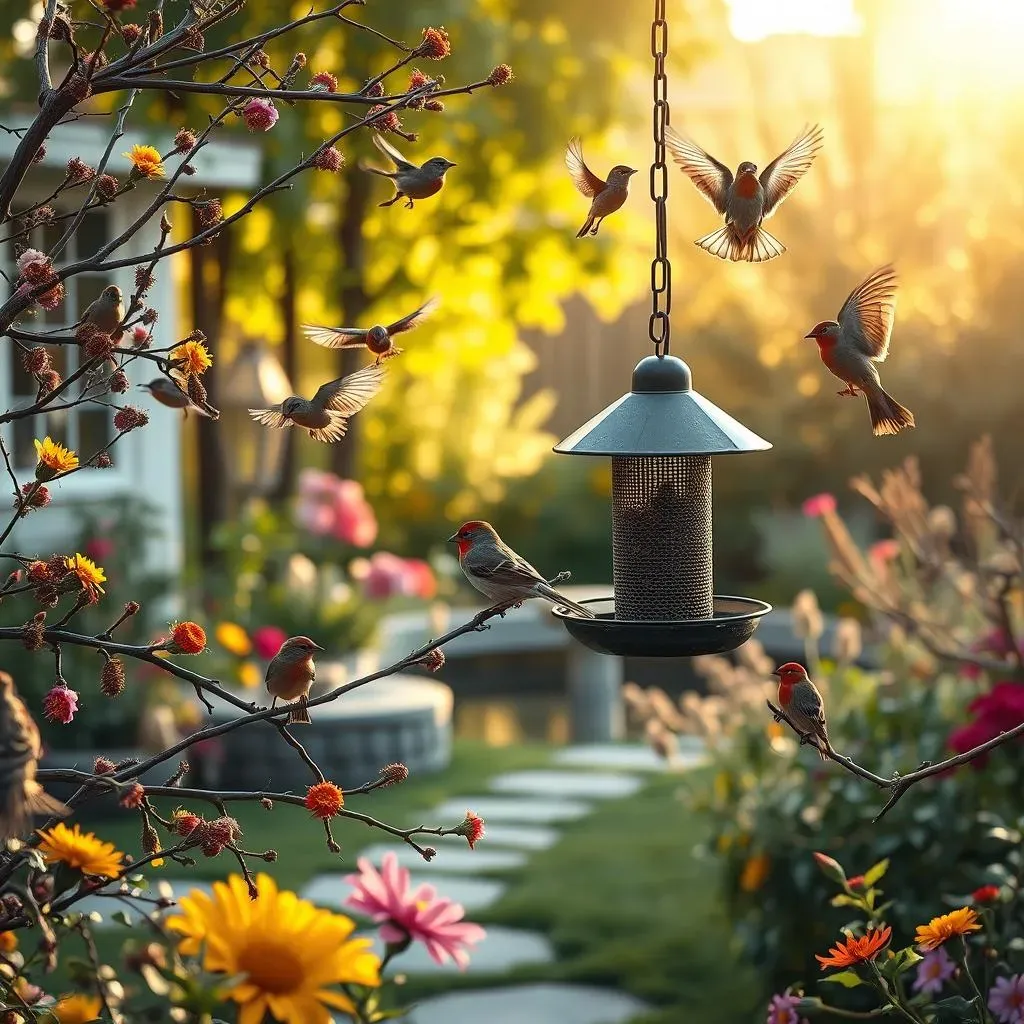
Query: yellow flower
x=249 y=675
x=78 y=1009
x=89 y=574
x=81 y=850
x=754 y=873
x=233 y=639
x=941 y=929
x=146 y=162
x=53 y=458
x=193 y=358
x=289 y=950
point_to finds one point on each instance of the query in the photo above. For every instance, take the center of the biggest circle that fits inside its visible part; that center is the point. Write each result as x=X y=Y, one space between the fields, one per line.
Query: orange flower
x=192 y=358
x=89 y=574
x=853 y=950
x=940 y=929
x=754 y=873
x=8 y=942
x=146 y=162
x=324 y=800
x=187 y=638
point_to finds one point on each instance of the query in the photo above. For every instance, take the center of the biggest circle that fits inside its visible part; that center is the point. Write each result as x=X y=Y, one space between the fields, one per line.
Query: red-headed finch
x=411 y=182
x=802 y=702
x=851 y=345
x=378 y=339
x=291 y=673
x=20 y=749
x=499 y=573
x=326 y=414
x=746 y=200
x=607 y=196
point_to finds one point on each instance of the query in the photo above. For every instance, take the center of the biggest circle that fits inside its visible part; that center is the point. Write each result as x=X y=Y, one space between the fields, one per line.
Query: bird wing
x=869 y=311
x=712 y=178
x=407 y=323
x=511 y=572
x=272 y=417
x=779 y=178
x=392 y=154
x=349 y=394
x=334 y=431
x=334 y=337
x=582 y=176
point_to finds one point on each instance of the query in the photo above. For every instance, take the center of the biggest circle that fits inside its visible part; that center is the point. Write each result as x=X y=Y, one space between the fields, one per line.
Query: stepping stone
x=634 y=757
x=511 y=809
x=459 y=860
x=473 y=893
x=595 y=785
x=538 y=1004
x=107 y=907
x=503 y=950
x=521 y=837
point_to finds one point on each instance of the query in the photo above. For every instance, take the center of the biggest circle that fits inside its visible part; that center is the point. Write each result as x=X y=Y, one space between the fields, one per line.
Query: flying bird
x=499 y=573
x=746 y=200
x=411 y=182
x=166 y=392
x=851 y=345
x=607 y=196
x=802 y=702
x=20 y=749
x=326 y=414
x=377 y=339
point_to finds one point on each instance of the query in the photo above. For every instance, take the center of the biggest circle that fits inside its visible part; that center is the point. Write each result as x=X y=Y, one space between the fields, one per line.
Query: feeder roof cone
x=662 y=415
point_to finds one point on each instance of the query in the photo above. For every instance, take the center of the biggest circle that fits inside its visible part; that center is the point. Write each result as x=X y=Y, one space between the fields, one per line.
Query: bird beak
x=777 y=672
x=811 y=335
x=633 y=170
x=452 y=538
x=317 y=647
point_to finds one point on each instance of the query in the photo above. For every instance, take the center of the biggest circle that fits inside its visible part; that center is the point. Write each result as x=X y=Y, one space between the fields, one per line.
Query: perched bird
x=851 y=345
x=291 y=673
x=608 y=195
x=802 y=702
x=166 y=392
x=499 y=573
x=746 y=200
x=411 y=182
x=377 y=339
x=107 y=312
x=20 y=750
x=326 y=414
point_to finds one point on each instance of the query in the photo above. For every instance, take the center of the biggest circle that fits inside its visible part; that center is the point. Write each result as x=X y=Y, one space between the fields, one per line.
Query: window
x=85 y=428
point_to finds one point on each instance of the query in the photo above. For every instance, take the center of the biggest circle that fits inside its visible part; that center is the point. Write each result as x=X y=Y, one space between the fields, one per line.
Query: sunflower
x=192 y=357
x=89 y=574
x=53 y=458
x=233 y=639
x=853 y=950
x=289 y=950
x=146 y=162
x=81 y=850
x=940 y=929
x=78 y=1009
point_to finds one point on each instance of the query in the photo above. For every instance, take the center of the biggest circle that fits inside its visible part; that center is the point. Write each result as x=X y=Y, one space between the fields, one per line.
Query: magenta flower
x=421 y=916
x=883 y=551
x=60 y=704
x=382 y=576
x=782 y=1010
x=819 y=505
x=259 y=114
x=267 y=640
x=934 y=971
x=354 y=519
x=419 y=579
x=1006 y=1000
x=331 y=507
x=99 y=549
x=30 y=256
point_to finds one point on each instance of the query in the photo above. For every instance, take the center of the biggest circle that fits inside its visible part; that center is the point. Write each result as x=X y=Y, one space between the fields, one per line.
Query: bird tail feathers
x=555 y=597
x=299 y=713
x=727 y=245
x=587 y=225
x=40 y=802
x=364 y=166
x=21 y=803
x=887 y=415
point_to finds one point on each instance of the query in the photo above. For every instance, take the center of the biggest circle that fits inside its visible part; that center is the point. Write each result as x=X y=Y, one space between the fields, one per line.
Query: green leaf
x=121 y=917
x=876 y=873
x=901 y=960
x=842 y=900
x=954 y=1010
x=848 y=979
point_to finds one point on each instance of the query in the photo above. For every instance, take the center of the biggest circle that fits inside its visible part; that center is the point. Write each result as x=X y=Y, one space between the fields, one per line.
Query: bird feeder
x=661 y=438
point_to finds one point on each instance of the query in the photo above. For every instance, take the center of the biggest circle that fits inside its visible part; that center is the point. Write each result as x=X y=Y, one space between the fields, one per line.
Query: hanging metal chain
x=661 y=269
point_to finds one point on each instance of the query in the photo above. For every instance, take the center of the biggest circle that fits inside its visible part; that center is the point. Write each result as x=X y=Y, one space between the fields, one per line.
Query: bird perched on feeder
x=499 y=573
x=166 y=392
x=411 y=182
x=607 y=196
x=20 y=750
x=746 y=200
x=291 y=673
x=802 y=702
x=326 y=414
x=377 y=339
x=851 y=345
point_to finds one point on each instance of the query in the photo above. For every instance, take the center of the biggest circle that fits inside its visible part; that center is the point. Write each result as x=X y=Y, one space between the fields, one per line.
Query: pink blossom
x=934 y=971
x=99 y=549
x=259 y=114
x=60 y=704
x=140 y=336
x=419 y=579
x=883 y=551
x=30 y=256
x=1006 y=1000
x=421 y=916
x=819 y=505
x=267 y=640
x=782 y=1010
x=330 y=506
x=383 y=576
x=355 y=522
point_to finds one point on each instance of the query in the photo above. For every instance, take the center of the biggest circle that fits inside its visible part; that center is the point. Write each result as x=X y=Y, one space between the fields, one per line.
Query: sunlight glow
x=753 y=20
